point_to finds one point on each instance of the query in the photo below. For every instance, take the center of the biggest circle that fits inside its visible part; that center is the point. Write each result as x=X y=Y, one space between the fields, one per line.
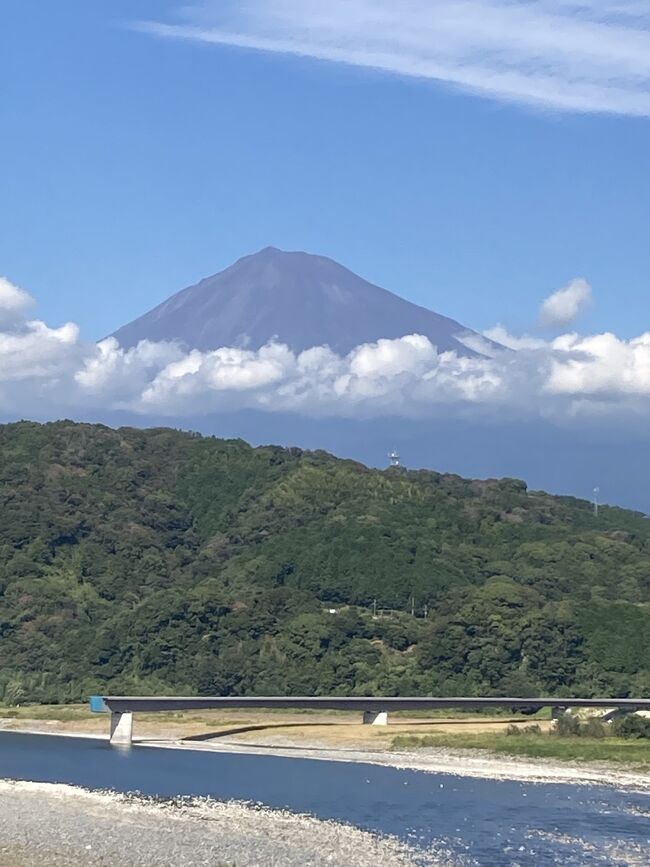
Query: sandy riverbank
x=62 y=826
x=464 y=763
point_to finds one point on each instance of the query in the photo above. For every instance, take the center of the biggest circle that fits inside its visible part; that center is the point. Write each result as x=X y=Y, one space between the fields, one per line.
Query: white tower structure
x=395 y=460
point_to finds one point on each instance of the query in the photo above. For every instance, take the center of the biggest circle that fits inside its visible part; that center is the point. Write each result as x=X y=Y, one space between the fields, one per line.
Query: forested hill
x=161 y=561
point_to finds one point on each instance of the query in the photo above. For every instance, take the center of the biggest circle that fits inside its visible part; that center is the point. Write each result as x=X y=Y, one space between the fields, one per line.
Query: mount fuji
x=297 y=299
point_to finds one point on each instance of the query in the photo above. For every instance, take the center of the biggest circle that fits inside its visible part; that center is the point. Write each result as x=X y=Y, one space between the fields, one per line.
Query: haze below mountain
x=298 y=299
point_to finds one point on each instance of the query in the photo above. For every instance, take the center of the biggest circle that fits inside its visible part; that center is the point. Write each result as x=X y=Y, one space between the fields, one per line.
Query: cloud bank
x=566 y=55
x=52 y=371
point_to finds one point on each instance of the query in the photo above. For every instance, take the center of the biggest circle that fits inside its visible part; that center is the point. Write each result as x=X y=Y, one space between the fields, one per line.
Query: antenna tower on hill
x=395 y=460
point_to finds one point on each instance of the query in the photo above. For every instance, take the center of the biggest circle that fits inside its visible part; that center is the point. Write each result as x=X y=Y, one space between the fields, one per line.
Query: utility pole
x=596 y=505
x=413 y=606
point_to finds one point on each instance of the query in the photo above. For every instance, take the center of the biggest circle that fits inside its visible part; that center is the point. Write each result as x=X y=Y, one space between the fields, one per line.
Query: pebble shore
x=61 y=826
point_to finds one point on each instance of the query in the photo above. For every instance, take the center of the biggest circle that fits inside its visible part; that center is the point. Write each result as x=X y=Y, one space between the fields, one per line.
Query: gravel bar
x=61 y=826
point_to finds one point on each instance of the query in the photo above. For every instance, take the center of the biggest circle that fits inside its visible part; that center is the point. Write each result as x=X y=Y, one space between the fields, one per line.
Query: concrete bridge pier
x=556 y=714
x=375 y=718
x=121 y=728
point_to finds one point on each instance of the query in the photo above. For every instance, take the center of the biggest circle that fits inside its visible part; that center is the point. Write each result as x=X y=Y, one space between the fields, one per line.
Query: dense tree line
x=162 y=561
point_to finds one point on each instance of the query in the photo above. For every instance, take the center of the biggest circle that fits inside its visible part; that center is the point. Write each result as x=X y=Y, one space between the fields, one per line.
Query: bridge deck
x=133 y=704
x=375 y=708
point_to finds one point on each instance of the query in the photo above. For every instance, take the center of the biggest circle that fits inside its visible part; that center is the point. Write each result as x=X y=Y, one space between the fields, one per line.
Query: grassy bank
x=539 y=746
x=57 y=712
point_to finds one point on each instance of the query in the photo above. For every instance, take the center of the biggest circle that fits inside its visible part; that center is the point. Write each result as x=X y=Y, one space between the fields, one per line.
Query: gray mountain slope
x=296 y=298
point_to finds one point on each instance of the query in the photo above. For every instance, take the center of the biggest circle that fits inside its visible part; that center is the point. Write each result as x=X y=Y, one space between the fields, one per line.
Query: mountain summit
x=296 y=298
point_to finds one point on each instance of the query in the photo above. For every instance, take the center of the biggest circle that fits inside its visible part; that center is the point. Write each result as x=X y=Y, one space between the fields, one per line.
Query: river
x=483 y=822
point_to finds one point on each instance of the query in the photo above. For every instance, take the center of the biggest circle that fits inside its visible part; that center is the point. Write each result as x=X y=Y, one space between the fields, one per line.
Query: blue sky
x=134 y=164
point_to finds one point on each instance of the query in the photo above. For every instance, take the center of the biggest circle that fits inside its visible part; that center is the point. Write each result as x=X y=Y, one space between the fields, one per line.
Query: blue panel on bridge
x=97 y=704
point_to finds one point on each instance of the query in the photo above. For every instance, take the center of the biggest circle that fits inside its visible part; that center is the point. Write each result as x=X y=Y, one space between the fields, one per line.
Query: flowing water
x=483 y=822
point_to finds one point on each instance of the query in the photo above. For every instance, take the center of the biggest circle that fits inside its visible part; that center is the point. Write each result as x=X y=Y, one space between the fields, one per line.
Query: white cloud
x=110 y=374
x=602 y=365
x=51 y=371
x=567 y=55
x=35 y=350
x=212 y=379
x=13 y=300
x=564 y=306
x=500 y=335
x=36 y=363
x=390 y=358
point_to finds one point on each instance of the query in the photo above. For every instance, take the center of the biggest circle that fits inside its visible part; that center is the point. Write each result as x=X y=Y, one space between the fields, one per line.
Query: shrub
x=566 y=725
x=524 y=730
x=593 y=728
x=14 y=692
x=632 y=726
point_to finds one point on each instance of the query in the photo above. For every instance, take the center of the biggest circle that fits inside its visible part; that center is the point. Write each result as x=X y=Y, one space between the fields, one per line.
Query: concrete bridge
x=375 y=709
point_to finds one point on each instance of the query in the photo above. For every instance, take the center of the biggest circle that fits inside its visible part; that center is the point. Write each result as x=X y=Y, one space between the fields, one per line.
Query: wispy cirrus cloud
x=563 y=55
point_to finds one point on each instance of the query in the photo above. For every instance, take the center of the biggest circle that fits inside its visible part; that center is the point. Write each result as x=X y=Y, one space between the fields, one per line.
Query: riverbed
x=472 y=821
